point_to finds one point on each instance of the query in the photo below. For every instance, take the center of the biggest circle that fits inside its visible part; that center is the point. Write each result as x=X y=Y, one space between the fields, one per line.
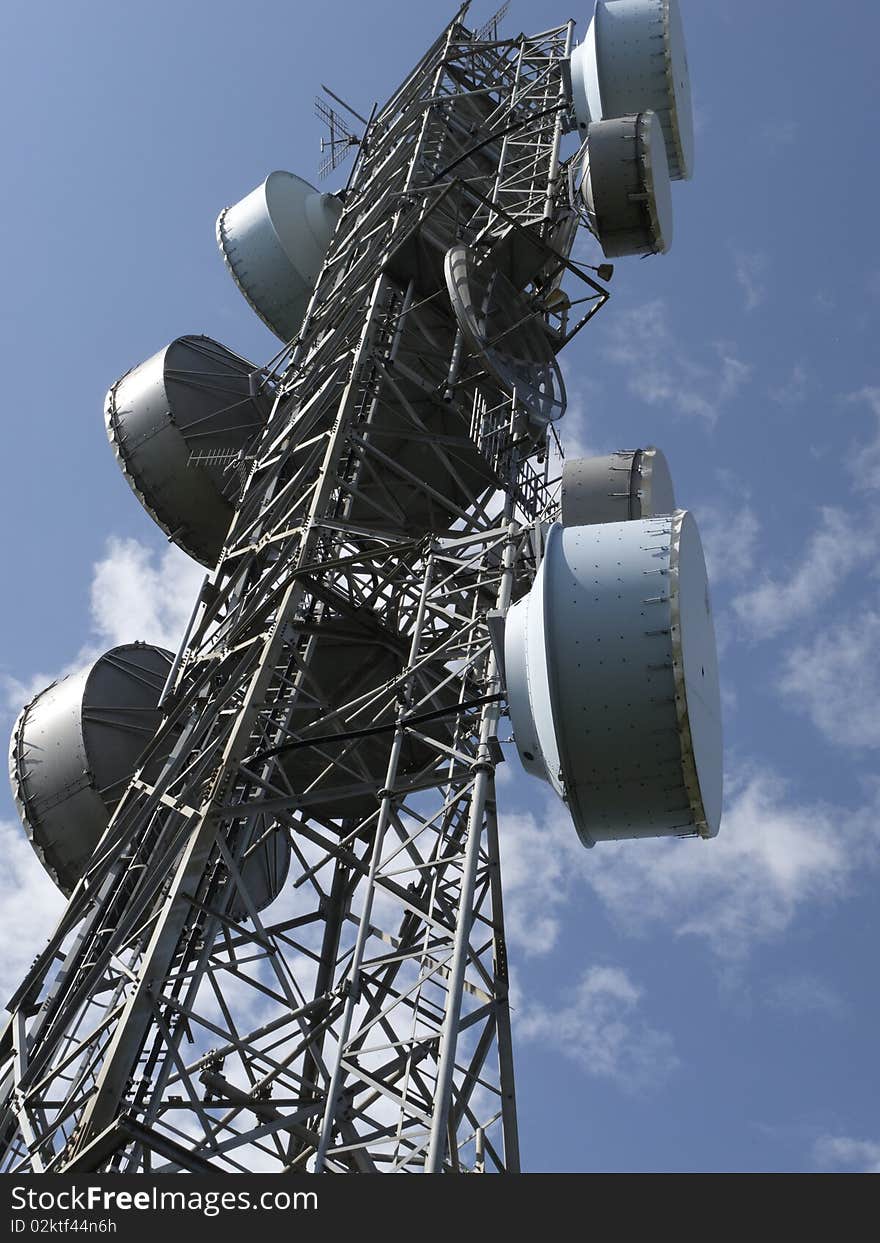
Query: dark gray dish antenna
x=73 y=751
x=177 y=424
x=502 y=327
x=76 y=746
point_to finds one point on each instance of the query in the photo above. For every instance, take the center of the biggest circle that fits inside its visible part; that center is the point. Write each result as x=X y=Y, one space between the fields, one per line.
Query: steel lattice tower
x=391 y=509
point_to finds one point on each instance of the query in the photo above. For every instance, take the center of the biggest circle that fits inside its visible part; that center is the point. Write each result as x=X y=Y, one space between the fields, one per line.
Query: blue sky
x=679 y=1006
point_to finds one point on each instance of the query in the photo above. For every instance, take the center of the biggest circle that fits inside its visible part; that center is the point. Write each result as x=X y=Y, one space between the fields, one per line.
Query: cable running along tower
x=285 y=951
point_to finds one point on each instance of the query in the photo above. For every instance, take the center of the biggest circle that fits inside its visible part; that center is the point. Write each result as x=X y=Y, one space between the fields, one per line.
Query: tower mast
x=337 y=698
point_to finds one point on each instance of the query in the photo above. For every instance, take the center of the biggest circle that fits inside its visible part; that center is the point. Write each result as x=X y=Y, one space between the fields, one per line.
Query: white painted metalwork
x=631 y=483
x=74 y=749
x=337 y=686
x=338 y=692
x=633 y=60
x=626 y=188
x=179 y=424
x=274 y=242
x=613 y=679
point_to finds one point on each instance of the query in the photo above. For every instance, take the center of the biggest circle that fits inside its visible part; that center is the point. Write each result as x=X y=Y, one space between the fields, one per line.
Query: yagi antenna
x=340 y=140
x=341 y=101
x=489 y=29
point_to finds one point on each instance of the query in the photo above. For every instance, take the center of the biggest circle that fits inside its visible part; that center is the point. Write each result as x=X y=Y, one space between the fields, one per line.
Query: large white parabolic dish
x=195 y=396
x=612 y=679
x=631 y=483
x=274 y=242
x=75 y=748
x=626 y=188
x=633 y=59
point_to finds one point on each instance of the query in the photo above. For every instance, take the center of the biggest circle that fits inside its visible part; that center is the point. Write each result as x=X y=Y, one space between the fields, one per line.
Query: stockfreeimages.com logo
x=153 y=1199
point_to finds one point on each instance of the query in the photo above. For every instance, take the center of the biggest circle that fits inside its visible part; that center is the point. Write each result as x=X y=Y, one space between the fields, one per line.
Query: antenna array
x=284 y=947
x=340 y=140
x=338 y=687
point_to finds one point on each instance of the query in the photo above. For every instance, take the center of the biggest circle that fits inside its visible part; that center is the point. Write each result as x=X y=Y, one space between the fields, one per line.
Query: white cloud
x=749 y=269
x=774 y=856
x=835 y=679
x=661 y=372
x=29 y=907
x=136 y=594
x=865 y=465
x=598 y=1027
x=842 y=1152
x=730 y=540
x=806 y=994
x=575 y=430
x=794 y=389
x=837 y=546
x=139 y=595
x=535 y=867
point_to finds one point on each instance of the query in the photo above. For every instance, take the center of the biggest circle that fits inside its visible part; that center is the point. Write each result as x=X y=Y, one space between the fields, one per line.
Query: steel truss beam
x=337 y=692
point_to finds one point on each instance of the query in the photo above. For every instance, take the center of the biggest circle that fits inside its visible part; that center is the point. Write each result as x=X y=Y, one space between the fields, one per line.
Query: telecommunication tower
x=284 y=947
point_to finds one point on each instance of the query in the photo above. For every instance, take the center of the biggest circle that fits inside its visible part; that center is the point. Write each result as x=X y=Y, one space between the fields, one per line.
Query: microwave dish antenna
x=171 y=421
x=633 y=60
x=631 y=483
x=273 y=242
x=625 y=185
x=327 y=734
x=75 y=748
x=506 y=333
x=612 y=679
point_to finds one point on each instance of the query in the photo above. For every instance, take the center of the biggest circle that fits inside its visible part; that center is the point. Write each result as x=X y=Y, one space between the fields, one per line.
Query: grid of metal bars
x=337 y=691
